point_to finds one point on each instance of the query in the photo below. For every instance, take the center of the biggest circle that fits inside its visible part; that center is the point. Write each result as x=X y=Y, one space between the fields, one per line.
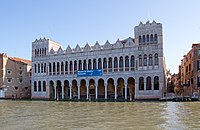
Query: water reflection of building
x=14 y=77
x=133 y=68
x=190 y=71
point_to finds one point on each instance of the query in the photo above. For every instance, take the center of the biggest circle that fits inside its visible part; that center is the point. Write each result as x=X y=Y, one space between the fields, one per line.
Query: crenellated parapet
x=145 y=33
x=129 y=42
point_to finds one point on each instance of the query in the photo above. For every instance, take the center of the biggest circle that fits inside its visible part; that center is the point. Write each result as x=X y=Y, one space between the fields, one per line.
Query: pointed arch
x=141 y=83
x=156 y=83
x=148 y=83
x=156 y=59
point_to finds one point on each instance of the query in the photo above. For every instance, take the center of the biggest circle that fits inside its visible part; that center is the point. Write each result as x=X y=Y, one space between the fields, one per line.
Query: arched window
x=132 y=62
x=150 y=60
x=70 y=67
x=99 y=64
x=155 y=38
x=148 y=83
x=140 y=39
x=44 y=86
x=42 y=68
x=54 y=68
x=35 y=52
x=115 y=64
x=62 y=67
x=45 y=51
x=110 y=64
x=145 y=60
x=121 y=63
x=84 y=65
x=151 y=38
x=94 y=64
x=58 y=67
x=50 y=68
x=42 y=51
x=35 y=68
x=104 y=64
x=89 y=64
x=141 y=83
x=156 y=83
x=156 y=59
x=75 y=66
x=80 y=65
x=147 y=37
x=38 y=52
x=143 y=38
x=140 y=60
x=126 y=63
x=66 y=67
x=35 y=86
x=39 y=86
x=38 y=68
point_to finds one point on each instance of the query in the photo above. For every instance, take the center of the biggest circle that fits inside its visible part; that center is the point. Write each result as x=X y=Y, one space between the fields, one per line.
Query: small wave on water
x=99 y=115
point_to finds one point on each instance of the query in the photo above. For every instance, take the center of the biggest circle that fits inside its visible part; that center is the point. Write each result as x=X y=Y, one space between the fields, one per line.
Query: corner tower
x=149 y=33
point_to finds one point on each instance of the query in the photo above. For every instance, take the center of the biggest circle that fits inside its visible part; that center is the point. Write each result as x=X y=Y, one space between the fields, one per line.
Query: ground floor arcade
x=110 y=88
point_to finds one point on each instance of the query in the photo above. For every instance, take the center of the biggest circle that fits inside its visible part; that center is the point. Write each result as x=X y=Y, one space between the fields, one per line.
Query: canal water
x=52 y=115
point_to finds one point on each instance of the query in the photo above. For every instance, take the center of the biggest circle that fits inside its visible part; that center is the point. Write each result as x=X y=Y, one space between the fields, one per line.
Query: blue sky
x=87 y=21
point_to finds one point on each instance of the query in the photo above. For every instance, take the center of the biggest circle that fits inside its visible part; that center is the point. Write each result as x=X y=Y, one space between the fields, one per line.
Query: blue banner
x=86 y=73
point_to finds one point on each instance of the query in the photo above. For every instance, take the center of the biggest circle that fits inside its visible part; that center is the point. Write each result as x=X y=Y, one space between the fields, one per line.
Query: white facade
x=132 y=68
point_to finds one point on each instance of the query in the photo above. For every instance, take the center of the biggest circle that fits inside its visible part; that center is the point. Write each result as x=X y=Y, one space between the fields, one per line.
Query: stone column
x=136 y=90
x=42 y=86
x=79 y=93
x=113 y=64
x=47 y=66
x=62 y=91
x=92 y=64
x=86 y=64
x=56 y=68
x=102 y=64
x=77 y=65
x=87 y=87
x=129 y=62
x=72 y=67
x=37 y=85
x=41 y=68
x=145 y=84
x=107 y=64
x=97 y=62
x=47 y=89
x=51 y=68
x=68 y=64
x=55 y=92
x=70 y=89
x=118 y=63
x=115 y=91
x=96 y=88
x=82 y=62
x=125 y=91
x=124 y=63
x=106 y=88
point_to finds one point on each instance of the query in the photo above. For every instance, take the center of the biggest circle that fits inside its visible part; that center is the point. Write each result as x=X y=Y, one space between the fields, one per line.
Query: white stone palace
x=132 y=68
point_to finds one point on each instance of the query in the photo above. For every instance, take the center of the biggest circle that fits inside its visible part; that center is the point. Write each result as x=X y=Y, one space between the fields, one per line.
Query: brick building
x=15 y=77
x=190 y=70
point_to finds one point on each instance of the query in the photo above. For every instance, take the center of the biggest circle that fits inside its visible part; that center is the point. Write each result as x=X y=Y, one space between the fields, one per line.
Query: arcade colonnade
x=93 y=88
